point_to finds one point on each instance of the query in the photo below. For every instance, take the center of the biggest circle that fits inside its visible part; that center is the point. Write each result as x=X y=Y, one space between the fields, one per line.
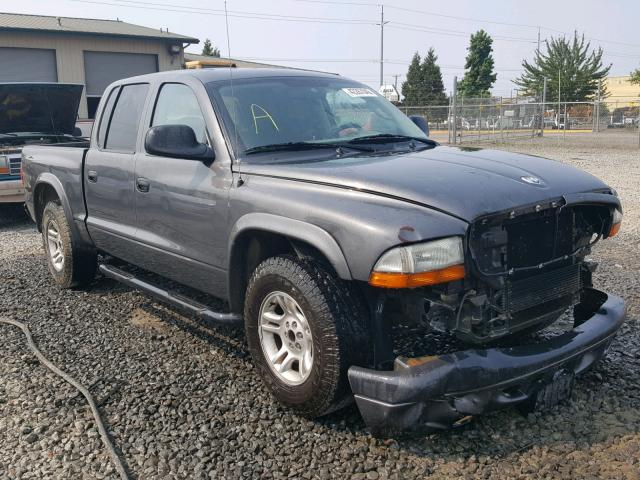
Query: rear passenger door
x=109 y=170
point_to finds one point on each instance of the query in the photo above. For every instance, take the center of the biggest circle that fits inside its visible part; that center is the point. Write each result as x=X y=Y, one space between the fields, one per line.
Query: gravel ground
x=183 y=400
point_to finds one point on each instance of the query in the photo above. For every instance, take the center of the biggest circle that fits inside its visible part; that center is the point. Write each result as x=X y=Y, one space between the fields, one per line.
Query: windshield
x=268 y=111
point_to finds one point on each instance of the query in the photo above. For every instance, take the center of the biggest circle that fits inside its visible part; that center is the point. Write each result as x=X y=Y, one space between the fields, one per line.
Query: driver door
x=182 y=204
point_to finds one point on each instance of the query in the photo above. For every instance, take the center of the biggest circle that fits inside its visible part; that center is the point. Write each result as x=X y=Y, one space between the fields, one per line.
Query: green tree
x=570 y=66
x=411 y=87
x=635 y=76
x=432 y=84
x=209 y=50
x=478 y=76
x=424 y=85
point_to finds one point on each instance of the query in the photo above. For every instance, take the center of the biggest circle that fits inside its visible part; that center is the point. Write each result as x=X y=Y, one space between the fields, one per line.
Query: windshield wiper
x=293 y=146
x=390 y=138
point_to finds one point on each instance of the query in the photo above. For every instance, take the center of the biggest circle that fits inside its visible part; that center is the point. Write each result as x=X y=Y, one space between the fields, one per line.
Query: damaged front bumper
x=444 y=391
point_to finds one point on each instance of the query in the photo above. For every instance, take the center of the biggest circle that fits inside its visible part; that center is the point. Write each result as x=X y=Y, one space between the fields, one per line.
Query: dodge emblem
x=531 y=179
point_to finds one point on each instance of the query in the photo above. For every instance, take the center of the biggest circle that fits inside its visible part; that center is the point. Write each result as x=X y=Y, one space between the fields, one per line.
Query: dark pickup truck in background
x=30 y=114
x=322 y=215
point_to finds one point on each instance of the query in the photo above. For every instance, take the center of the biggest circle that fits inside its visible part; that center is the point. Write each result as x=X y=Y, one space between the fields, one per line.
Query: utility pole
x=544 y=99
x=597 y=109
x=453 y=106
x=538 y=50
x=382 y=22
x=395 y=82
x=558 y=113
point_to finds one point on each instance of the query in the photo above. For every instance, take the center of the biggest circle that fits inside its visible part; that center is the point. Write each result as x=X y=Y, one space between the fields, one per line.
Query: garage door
x=102 y=68
x=28 y=65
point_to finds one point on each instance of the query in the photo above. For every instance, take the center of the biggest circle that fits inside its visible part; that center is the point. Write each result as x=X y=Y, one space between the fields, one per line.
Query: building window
x=92 y=106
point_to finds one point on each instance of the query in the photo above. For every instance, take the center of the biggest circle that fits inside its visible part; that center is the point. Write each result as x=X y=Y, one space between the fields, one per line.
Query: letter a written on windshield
x=255 y=108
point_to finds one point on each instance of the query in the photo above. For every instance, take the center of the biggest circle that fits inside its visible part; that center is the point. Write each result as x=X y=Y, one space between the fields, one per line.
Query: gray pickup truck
x=324 y=217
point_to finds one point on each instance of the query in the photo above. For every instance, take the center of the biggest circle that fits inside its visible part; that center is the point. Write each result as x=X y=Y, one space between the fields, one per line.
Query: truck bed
x=62 y=164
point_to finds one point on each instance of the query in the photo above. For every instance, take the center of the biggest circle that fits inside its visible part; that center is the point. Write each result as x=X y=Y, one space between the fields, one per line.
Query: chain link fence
x=496 y=119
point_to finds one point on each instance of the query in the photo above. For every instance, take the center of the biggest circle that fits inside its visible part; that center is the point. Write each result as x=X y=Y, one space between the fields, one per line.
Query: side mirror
x=177 y=141
x=77 y=132
x=421 y=123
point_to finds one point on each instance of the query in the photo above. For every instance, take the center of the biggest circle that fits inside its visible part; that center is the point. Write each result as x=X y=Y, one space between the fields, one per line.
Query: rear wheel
x=305 y=327
x=69 y=265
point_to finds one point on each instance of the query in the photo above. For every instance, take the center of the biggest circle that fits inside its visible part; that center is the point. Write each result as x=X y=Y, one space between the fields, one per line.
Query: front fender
x=297 y=229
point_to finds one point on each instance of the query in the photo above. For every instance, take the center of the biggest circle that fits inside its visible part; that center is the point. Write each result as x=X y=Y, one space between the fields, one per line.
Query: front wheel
x=305 y=327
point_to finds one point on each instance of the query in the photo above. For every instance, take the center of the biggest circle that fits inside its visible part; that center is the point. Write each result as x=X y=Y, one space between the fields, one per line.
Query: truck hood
x=48 y=108
x=461 y=181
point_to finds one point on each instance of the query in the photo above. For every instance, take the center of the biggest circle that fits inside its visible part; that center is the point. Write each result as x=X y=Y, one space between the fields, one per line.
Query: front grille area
x=506 y=243
x=529 y=265
x=15 y=161
x=539 y=289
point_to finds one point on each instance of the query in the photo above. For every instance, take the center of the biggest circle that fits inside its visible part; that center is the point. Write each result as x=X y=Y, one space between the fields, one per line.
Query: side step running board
x=172 y=298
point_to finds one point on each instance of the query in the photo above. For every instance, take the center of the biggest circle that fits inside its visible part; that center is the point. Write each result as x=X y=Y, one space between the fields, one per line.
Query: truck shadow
x=13 y=216
x=230 y=340
x=603 y=405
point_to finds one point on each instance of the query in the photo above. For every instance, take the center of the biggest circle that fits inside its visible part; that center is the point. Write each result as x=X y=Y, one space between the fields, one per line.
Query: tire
x=69 y=264
x=336 y=317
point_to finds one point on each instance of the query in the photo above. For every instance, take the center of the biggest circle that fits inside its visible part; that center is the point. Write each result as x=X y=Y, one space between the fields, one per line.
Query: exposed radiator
x=523 y=294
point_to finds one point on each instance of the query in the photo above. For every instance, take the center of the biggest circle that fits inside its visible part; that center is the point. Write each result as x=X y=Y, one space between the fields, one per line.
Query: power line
x=433 y=14
x=454 y=17
x=471 y=19
x=328 y=2
x=358 y=60
x=219 y=13
x=261 y=14
x=305 y=60
x=139 y=4
x=287 y=18
x=456 y=33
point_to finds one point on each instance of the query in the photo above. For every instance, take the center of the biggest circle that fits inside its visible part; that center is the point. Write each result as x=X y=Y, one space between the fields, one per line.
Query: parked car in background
x=31 y=114
x=493 y=122
x=324 y=216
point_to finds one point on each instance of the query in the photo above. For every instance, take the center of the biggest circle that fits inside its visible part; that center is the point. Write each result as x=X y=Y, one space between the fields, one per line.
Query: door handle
x=92 y=176
x=142 y=184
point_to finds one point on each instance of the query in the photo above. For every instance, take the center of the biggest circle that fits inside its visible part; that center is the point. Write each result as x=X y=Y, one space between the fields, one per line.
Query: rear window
x=106 y=115
x=125 y=120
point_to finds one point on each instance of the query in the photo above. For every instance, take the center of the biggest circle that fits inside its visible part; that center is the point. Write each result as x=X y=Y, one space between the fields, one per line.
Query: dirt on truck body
x=323 y=216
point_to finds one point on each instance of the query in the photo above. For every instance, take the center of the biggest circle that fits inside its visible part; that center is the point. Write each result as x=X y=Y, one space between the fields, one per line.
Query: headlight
x=616 y=223
x=4 y=165
x=421 y=264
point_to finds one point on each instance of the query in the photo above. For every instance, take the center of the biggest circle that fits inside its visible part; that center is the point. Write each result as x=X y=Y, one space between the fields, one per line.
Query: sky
x=344 y=37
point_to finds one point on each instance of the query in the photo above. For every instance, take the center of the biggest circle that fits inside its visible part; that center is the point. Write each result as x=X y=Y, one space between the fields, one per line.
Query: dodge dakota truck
x=32 y=113
x=323 y=218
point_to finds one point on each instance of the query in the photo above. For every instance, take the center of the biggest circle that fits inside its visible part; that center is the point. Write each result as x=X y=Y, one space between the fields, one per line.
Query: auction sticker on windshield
x=359 y=92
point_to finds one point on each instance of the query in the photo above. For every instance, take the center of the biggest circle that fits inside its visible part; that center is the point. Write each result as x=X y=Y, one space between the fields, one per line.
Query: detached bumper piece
x=434 y=393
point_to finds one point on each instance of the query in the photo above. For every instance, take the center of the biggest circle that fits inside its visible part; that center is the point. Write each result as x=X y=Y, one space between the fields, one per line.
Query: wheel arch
x=257 y=236
x=48 y=188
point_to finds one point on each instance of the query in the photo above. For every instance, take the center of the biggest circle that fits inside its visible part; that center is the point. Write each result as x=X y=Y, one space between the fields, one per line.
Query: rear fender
x=76 y=222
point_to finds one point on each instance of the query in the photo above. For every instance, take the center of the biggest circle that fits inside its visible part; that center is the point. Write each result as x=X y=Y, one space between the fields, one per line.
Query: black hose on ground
x=106 y=440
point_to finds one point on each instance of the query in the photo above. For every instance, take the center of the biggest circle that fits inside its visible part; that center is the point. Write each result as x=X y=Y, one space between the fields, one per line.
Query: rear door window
x=125 y=120
x=106 y=116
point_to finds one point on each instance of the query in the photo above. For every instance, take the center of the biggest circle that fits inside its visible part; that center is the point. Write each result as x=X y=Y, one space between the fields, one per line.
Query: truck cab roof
x=207 y=75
